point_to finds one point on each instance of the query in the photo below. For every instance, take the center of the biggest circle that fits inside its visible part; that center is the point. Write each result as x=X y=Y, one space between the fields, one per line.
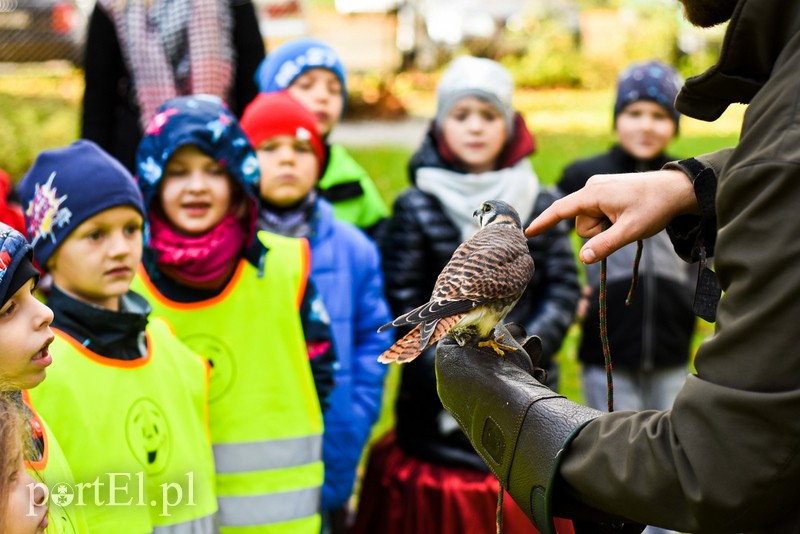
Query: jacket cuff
x=694 y=236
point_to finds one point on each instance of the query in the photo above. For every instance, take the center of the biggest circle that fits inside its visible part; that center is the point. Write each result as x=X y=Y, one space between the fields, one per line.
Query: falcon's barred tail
x=408 y=347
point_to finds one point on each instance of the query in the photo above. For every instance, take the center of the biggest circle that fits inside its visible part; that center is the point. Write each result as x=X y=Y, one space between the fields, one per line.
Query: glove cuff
x=547 y=430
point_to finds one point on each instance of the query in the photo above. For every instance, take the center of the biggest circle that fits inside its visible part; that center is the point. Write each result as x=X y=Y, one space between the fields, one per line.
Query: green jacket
x=352 y=192
x=725 y=459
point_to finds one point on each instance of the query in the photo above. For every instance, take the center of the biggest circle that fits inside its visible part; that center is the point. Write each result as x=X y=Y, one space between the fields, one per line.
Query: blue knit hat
x=67 y=186
x=651 y=81
x=283 y=65
x=205 y=122
x=15 y=262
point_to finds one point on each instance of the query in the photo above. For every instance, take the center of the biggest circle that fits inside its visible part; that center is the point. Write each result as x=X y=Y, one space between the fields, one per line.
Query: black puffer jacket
x=418 y=242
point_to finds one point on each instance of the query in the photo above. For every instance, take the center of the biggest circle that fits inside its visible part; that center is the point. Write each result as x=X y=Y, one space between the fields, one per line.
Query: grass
x=40 y=109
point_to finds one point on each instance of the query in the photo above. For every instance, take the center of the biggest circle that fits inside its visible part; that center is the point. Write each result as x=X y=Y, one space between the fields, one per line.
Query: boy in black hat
x=118 y=371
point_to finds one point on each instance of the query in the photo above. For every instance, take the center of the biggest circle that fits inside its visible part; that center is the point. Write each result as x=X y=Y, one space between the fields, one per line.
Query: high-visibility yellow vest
x=266 y=424
x=135 y=434
x=53 y=470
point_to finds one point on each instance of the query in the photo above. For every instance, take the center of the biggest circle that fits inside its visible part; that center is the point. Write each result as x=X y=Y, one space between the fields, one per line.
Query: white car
x=366 y=6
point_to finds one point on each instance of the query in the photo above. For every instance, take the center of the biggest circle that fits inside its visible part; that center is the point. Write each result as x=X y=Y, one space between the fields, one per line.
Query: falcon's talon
x=497 y=347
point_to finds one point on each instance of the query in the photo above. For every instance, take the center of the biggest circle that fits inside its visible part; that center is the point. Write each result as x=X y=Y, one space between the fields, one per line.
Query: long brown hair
x=14 y=441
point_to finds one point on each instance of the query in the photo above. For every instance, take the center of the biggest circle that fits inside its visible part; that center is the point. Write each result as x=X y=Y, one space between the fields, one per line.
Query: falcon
x=481 y=283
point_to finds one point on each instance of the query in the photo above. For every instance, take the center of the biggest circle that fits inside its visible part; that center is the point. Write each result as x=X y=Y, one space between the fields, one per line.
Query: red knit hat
x=272 y=114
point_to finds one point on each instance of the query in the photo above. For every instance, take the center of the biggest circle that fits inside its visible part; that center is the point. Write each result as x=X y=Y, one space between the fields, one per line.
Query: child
x=650 y=338
x=314 y=74
x=24 y=358
x=127 y=400
x=345 y=268
x=244 y=301
x=23 y=508
x=477 y=148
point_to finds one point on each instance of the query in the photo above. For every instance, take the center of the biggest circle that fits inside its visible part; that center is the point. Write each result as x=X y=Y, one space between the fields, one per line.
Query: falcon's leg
x=496 y=345
x=463 y=336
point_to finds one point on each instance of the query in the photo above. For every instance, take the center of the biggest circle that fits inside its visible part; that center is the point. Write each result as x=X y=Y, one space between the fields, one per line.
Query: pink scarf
x=198 y=261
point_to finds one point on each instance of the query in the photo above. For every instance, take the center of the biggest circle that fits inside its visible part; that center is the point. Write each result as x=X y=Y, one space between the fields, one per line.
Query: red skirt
x=404 y=495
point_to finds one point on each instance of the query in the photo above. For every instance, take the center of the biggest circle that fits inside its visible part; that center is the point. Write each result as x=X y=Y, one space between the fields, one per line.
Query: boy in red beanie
x=345 y=268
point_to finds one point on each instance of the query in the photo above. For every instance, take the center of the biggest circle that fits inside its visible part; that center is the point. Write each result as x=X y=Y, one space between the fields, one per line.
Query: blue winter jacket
x=345 y=267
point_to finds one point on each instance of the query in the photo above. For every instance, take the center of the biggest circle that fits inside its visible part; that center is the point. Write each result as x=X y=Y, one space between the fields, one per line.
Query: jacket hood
x=757 y=35
x=205 y=122
x=434 y=152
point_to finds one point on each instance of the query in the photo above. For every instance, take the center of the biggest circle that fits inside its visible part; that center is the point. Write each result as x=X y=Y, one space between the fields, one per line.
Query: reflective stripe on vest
x=201 y=525
x=262 y=455
x=53 y=470
x=265 y=419
x=268 y=509
x=153 y=465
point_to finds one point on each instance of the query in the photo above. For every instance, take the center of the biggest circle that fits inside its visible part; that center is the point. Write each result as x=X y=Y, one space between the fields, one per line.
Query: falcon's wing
x=430 y=311
x=494 y=263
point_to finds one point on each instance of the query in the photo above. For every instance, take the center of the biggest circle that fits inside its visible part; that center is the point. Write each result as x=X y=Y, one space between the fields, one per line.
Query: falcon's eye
x=486 y=207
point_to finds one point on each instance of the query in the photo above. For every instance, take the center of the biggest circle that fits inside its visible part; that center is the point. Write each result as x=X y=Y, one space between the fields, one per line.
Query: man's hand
x=638 y=205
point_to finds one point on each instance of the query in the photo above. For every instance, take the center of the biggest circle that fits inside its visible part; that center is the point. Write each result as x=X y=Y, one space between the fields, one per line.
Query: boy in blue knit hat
x=651 y=337
x=645 y=123
x=313 y=73
x=117 y=371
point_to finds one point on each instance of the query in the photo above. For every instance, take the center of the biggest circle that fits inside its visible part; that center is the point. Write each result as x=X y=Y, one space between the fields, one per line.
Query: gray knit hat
x=477 y=77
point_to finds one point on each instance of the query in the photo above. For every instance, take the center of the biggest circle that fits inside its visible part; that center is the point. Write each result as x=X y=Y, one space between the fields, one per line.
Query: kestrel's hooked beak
x=476 y=213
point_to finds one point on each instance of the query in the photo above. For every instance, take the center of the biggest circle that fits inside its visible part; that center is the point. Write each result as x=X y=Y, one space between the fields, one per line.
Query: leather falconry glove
x=517 y=425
